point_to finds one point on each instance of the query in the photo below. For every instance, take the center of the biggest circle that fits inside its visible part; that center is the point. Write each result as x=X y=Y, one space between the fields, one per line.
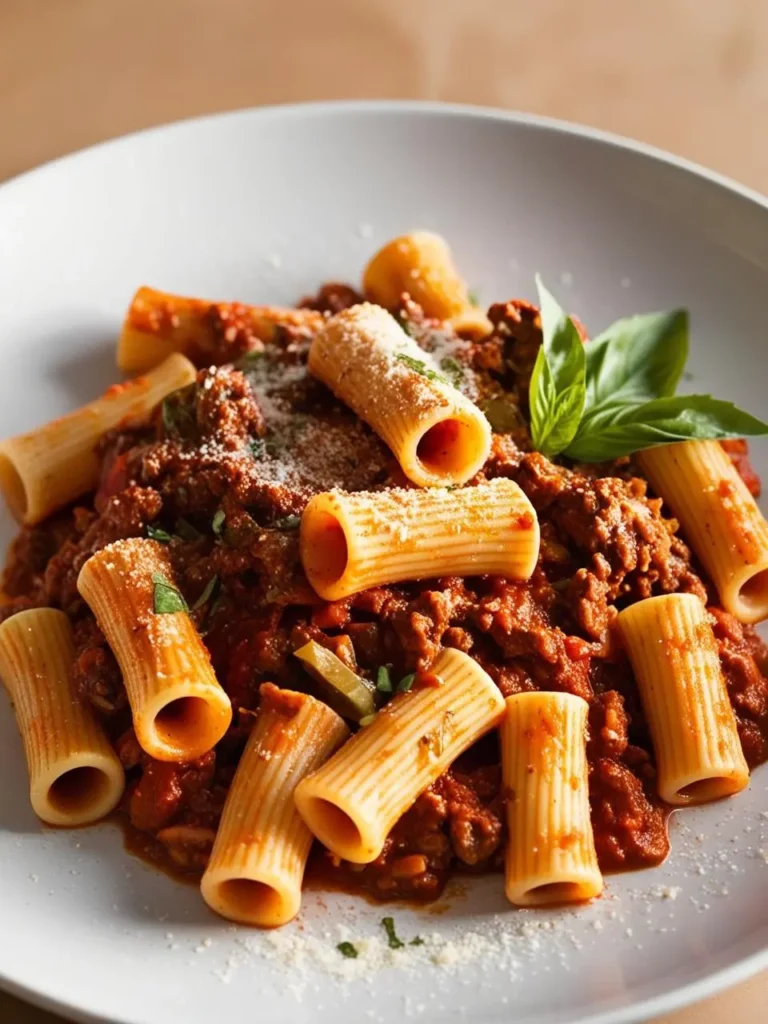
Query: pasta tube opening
x=325 y=549
x=12 y=485
x=253 y=901
x=185 y=723
x=752 y=597
x=79 y=793
x=335 y=828
x=550 y=893
x=445 y=449
x=711 y=788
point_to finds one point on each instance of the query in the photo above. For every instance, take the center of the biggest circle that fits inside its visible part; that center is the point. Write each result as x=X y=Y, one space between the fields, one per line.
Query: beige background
x=688 y=75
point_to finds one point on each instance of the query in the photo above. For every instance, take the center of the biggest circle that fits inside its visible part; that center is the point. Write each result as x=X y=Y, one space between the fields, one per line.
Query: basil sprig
x=615 y=395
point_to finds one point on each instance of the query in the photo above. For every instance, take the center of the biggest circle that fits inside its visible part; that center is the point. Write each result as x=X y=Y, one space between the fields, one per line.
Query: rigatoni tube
x=673 y=652
x=550 y=854
x=352 y=802
x=350 y=542
x=179 y=710
x=75 y=776
x=257 y=864
x=48 y=467
x=421 y=264
x=158 y=324
x=437 y=435
x=720 y=520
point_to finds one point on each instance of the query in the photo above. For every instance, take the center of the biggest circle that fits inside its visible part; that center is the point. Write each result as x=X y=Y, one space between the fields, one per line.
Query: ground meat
x=630 y=831
x=165 y=787
x=332 y=298
x=738 y=452
x=608 y=726
x=742 y=653
x=474 y=812
x=126 y=515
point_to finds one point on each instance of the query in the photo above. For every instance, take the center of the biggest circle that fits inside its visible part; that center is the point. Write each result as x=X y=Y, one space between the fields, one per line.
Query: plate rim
x=674 y=998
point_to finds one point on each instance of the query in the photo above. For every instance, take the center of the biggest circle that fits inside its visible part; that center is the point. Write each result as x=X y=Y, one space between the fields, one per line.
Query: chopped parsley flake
x=166 y=598
x=453 y=370
x=217 y=523
x=383 y=679
x=206 y=594
x=420 y=367
x=418 y=941
x=474 y=297
x=158 y=534
x=348 y=950
x=406 y=683
x=388 y=924
x=258 y=447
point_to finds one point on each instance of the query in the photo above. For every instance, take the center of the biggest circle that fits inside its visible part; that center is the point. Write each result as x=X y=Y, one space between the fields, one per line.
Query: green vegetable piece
x=158 y=534
x=206 y=594
x=420 y=367
x=166 y=597
x=348 y=694
x=217 y=523
x=383 y=679
x=406 y=683
x=348 y=950
x=388 y=923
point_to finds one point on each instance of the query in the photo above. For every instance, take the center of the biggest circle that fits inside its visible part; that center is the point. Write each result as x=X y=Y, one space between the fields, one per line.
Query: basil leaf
x=206 y=594
x=557 y=389
x=623 y=430
x=166 y=598
x=637 y=359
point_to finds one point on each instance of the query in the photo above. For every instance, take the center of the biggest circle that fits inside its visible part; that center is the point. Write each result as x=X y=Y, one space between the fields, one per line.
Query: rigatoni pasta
x=720 y=519
x=550 y=855
x=158 y=324
x=353 y=801
x=421 y=264
x=75 y=776
x=350 y=542
x=437 y=435
x=48 y=467
x=179 y=710
x=257 y=864
x=672 y=649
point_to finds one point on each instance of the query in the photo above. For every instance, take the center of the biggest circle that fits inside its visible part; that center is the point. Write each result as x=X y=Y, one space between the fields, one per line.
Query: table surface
x=689 y=76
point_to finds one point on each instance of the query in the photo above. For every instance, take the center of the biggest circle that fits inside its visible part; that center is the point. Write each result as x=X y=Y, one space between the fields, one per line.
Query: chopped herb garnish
x=406 y=683
x=383 y=679
x=158 y=534
x=167 y=598
x=348 y=950
x=388 y=924
x=258 y=447
x=178 y=413
x=453 y=370
x=206 y=594
x=474 y=297
x=420 y=367
x=187 y=531
x=217 y=523
x=418 y=941
x=287 y=523
x=367 y=720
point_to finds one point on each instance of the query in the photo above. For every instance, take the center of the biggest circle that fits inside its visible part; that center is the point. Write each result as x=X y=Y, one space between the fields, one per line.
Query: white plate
x=263 y=206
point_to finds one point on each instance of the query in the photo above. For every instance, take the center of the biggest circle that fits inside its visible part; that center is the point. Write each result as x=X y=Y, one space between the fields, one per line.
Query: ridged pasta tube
x=352 y=802
x=48 y=467
x=551 y=849
x=672 y=648
x=437 y=435
x=257 y=865
x=720 y=520
x=179 y=710
x=75 y=776
x=350 y=542
x=158 y=324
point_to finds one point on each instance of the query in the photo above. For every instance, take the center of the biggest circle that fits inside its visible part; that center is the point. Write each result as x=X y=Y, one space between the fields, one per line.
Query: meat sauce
x=222 y=477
